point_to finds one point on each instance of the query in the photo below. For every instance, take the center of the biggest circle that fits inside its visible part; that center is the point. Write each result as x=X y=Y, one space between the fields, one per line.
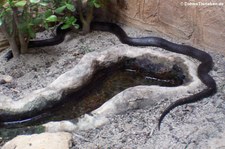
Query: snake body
x=203 y=69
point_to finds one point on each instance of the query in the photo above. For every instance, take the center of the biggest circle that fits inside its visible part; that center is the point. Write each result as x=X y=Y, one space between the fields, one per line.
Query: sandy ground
x=190 y=126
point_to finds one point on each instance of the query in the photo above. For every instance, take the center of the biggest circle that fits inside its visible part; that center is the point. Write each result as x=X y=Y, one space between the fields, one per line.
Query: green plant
x=20 y=20
x=85 y=11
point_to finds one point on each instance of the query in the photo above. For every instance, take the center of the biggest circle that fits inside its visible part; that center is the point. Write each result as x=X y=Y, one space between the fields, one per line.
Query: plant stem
x=22 y=39
x=11 y=39
x=85 y=21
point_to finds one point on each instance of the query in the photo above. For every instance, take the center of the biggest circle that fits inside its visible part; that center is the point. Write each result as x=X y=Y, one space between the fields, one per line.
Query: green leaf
x=76 y=26
x=46 y=25
x=94 y=3
x=70 y=20
x=2 y=14
x=37 y=21
x=48 y=13
x=34 y=1
x=8 y=9
x=97 y=5
x=1 y=21
x=60 y=9
x=43 y=4
x=65 y=26
x=31 y=33
x=21 y=3
x=47 y=1
x=52 y=18
x=23 y=26
x=70 y=7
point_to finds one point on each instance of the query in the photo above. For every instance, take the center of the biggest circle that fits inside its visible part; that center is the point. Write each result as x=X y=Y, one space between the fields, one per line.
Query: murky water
x=104 y=87
x=105 y=84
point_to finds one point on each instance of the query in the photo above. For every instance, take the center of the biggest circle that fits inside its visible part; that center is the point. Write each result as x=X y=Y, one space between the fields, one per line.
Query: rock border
x=59 y=140
x=131 y=98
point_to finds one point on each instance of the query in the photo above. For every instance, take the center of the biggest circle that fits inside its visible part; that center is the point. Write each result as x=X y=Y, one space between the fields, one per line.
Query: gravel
x=189 y=126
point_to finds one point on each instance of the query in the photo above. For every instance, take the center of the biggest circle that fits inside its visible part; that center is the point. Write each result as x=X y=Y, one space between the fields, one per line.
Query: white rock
x=217 y=143
x=60 y=140
x=85 y=70
x=6 y=78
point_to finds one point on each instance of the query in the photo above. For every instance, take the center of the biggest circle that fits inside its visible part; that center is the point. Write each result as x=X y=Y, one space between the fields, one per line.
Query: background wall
x=202 y=26
x=3 y=42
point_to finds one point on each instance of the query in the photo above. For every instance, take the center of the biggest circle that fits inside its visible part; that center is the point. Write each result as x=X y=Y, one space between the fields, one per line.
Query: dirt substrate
x=197 y=125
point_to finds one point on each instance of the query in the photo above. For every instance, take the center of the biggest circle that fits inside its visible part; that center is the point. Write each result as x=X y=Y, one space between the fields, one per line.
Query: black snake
x=203 y=69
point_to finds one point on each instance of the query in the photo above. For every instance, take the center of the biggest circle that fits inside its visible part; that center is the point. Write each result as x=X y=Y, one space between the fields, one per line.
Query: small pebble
x=5 y=79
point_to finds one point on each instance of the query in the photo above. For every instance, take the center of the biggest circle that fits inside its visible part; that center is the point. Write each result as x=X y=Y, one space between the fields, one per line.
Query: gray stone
x=60 y=140
x=132 y=98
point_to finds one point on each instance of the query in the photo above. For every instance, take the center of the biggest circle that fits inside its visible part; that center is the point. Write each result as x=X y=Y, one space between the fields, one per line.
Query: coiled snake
x=203 y=69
